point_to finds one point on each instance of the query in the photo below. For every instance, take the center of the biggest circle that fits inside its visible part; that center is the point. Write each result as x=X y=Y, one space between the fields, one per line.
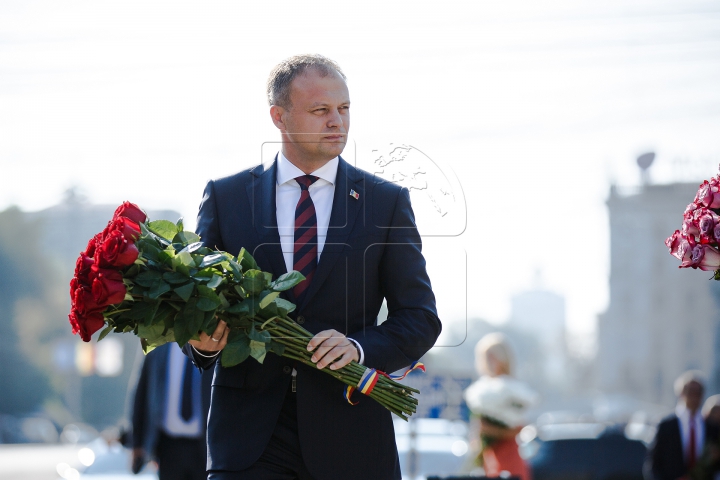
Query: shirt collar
x=286 y=171
x=683 y=413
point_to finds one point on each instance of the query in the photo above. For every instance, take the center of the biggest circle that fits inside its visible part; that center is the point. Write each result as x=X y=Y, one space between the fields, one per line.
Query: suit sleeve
x=412 y=326
x=207 y=220
x=655 y=468
x=139 y=406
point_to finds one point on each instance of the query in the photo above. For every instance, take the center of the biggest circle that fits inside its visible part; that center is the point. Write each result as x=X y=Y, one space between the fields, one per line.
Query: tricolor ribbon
x=369 y=379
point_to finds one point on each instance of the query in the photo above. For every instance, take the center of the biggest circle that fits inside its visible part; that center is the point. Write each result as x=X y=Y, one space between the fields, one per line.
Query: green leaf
x=286 y=281
x=262 y=336
x=284 y=305
x=148 y=278
x=175 y=277
x=277 y=348
x=158 y=289
x=267 y=299
x=246 y=260
x=183 y=258
x=223 y=300
x=193 y=247
x=268 y=312
x=105 y=331
x=240 y=291
x=179 y=224
x=254 y=281
x=207 y=304
x=185 y=291
x=215 y=282
x=237 y=350
x=164 y=229
x=247 y=307
x=139 y=310
x=235 y=268
x=212 y=260
x=258 y=350
x=209 y=323
x=153 y=336
x=188 y=322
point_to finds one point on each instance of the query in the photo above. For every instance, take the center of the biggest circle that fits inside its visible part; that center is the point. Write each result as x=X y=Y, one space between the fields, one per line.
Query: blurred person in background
x=500 y=402
x=169 y=415
x=677 y=449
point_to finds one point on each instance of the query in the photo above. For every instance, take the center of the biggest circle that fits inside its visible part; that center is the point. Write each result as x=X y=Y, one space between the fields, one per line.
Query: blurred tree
x=23 y=386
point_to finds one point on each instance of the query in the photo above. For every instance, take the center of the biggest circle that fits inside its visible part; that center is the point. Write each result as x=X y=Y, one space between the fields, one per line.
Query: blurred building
x=661 y=320
x=540 y=313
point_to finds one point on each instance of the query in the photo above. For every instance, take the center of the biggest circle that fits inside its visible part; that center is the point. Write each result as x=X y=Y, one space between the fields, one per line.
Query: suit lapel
x=342 y=220
x=264 y=216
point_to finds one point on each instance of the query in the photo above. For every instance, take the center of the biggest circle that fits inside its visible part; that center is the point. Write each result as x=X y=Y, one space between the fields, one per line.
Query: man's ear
x=277 y=113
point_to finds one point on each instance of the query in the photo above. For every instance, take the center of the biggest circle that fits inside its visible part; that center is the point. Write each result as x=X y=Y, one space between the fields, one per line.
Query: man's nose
x=335 y=119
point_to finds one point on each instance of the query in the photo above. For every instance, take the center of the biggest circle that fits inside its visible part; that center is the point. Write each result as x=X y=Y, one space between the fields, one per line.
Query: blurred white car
x=99 y=460
x=431 y=446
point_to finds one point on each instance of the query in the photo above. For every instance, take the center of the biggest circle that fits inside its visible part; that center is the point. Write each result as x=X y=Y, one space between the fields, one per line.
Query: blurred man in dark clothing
x=681 y=437
x=170 y=415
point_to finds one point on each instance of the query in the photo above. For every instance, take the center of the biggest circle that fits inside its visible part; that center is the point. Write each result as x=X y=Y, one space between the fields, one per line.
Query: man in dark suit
x=355 y=240
x=680 y=437
x=169 y=415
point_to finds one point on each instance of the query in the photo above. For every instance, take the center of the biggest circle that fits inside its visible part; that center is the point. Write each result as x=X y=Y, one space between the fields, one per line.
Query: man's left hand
x=332 y=348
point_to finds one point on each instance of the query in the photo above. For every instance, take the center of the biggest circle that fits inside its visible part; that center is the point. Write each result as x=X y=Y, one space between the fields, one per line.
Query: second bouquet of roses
x=159 y=282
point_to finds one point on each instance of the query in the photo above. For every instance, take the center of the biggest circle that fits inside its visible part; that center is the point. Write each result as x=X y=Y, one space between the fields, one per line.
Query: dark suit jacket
x=666 y=458
x=150 y=399
x=372 y=251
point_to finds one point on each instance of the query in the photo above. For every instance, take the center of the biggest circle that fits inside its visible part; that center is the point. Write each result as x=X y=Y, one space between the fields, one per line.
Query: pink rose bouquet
x=697 y=244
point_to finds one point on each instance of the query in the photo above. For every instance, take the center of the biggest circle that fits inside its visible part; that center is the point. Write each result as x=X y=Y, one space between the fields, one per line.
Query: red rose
x=116 y=251
x=86 y=325
x=83 y=299
x=92 y=245
x=107 y=286
x=82 y=268
x=131 y=211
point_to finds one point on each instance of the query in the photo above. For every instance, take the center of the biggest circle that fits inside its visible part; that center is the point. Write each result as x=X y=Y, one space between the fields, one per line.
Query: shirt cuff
x=206 y=356
x=360 y=351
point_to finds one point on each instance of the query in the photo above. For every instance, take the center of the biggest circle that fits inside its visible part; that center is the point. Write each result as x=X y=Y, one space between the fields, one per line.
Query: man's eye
x=319 y=111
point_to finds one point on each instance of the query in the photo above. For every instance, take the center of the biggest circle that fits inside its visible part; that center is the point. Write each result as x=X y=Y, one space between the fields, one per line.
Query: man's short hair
x=278 y=84
x=686 y=378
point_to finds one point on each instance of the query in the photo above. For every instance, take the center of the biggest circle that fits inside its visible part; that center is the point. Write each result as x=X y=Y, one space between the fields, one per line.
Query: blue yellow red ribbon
x=369 y=379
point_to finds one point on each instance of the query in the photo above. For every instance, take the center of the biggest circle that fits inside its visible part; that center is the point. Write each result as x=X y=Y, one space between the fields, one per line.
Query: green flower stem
x=378 y=395
x=353 y=372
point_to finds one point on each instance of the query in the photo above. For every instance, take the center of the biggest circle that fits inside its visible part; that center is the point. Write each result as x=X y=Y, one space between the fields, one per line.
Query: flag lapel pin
x=355 y=194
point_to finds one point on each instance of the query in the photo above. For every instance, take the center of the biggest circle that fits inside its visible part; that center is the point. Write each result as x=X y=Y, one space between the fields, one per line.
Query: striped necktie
x=305 y=253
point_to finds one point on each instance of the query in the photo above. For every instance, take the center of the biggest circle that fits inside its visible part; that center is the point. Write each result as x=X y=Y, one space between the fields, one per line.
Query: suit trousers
x=181 y=458
x=282 y=458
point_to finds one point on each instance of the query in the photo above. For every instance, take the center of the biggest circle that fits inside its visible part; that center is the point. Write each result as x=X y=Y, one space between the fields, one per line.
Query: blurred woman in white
x=501 y=403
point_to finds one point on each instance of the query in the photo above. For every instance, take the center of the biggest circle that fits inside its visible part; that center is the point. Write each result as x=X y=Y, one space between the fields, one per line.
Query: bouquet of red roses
x=697 y=244
x=162 y=284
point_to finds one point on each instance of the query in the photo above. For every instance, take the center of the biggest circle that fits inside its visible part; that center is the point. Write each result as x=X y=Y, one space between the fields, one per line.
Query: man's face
x=693 y=394
x=315 y=126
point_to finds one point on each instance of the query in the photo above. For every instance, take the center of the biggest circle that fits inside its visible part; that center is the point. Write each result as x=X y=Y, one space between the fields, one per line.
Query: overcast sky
x=529 y=111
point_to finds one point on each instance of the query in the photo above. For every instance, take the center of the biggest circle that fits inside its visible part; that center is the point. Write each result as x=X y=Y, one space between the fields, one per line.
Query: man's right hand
x=212 y=344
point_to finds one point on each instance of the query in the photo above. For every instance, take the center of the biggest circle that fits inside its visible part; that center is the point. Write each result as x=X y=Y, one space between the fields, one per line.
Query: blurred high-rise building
x=540 y=313
x=661 y=320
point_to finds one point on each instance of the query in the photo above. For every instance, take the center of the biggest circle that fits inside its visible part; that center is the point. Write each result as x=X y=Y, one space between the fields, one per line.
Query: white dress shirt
x=685 y=418
x=173 y=423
